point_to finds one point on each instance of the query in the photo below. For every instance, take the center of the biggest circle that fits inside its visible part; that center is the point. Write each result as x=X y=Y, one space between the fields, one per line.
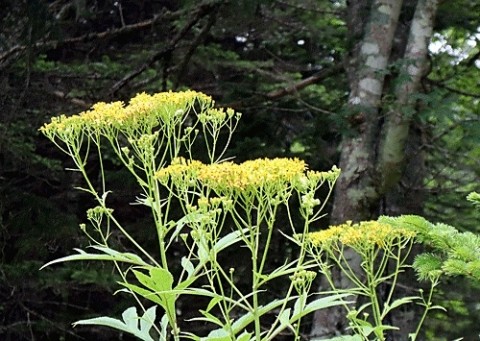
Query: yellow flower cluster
x=180 y=171
x=227 y=176
x=365 y=233
x=143 y=110
x=216 y=116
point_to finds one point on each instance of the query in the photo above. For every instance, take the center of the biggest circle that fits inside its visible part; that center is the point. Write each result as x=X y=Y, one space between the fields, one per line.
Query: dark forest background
x=285 y=64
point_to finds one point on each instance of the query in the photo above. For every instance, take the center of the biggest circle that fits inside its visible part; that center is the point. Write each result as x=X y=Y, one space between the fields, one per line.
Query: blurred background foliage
x=279 y=62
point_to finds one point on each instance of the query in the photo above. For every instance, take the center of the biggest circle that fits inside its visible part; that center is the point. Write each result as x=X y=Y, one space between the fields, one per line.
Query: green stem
x=428 y=304
x=372 y=285
x=80 y=167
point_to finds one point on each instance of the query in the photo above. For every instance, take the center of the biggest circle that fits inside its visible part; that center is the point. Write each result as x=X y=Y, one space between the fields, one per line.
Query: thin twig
x=193 y=46
x=454 y=90
x=17 y=50
x=202 y=10
x=294 y=88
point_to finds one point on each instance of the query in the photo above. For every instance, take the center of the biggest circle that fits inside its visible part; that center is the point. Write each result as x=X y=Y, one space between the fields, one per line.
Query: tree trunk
x=392 y=148
x=356 y=193
x=355 y=190
x=373 y=156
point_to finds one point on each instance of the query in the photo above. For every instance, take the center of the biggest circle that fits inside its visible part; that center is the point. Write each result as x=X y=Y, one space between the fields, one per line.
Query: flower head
x=365 y=234
x=143 y=113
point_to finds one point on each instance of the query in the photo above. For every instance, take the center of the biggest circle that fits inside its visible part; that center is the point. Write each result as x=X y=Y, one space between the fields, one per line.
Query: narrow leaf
x=108 y=256
x=229 y=239
x=187 y=265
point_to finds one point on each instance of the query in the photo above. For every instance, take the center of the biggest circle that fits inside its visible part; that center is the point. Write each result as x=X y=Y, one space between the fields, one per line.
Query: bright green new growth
x=449 y=251
x=153 y=136
x=385 y=244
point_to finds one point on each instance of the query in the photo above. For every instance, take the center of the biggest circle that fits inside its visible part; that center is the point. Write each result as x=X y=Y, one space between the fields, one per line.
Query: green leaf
x=187 y=265
x=217 y=335
x=130 y=324
x=189 y=218
x=317 y=304
x=284 y=318
x=185 y=284
x=397 y=303
x=342 y=338
x=299 y=305
x=149 y=295
x=207 y=317
x=108 y=254
x=160 y=283
x=245 y=336
x=241 y=323
x=163 y=327
x=229 y=239
x=322 y=303
x=213 y=302
x=148 y=319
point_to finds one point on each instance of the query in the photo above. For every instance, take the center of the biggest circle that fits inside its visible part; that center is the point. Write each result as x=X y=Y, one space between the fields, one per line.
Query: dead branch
x=315 y=78
x=17 y=50
x=201 y=11
x=294 y=88
x=451 y=89
x=193 y=46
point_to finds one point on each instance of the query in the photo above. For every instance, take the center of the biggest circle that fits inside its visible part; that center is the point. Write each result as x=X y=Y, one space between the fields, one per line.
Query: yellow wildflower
x=143 y=111
x=180 y=171
x=363 y=234
x=325 y=237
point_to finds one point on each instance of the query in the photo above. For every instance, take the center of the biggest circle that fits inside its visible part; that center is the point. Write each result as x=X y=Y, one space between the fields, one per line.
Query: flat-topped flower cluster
x=365 y=233
x=250 y=176
x=143 y=112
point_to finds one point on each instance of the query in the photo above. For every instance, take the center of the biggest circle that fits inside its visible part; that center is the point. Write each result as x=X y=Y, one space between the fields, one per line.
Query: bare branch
x=315 y=78
x=193 y=46
x=201 y=11
x=454 y=90
x=76 y=101
x=294 y=88
x=17 y=50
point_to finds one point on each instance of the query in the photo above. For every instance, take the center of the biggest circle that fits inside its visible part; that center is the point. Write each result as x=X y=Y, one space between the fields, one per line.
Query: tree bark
x=392 y=148
x=374 y=154
x=355 y=191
